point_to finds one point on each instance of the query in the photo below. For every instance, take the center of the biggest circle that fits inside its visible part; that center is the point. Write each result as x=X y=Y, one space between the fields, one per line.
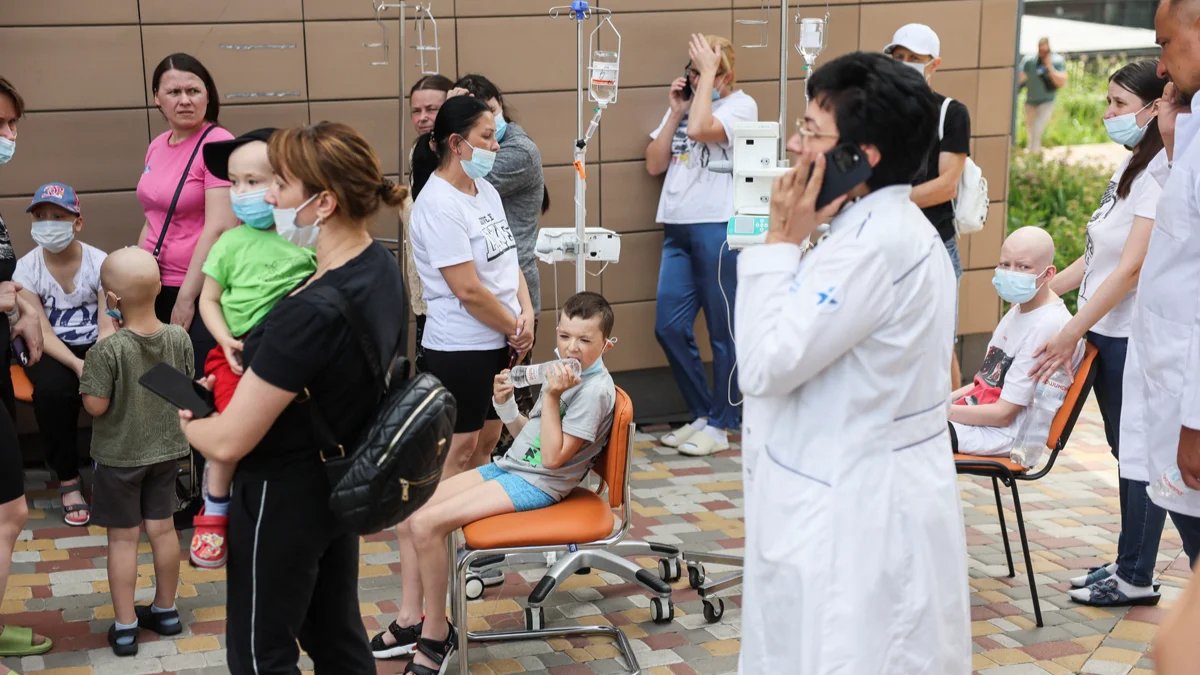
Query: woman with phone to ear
x=844 y=353
x=698 y=270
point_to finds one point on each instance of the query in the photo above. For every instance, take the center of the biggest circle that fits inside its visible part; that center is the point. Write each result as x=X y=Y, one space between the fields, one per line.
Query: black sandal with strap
x=68 y=509
x=438 y=651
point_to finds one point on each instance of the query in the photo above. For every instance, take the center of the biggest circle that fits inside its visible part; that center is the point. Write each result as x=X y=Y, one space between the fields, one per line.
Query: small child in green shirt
x=136 y=444
x=247 y=271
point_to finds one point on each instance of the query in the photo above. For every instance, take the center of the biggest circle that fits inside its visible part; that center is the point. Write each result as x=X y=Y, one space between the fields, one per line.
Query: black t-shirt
x=956 y=139
x=8 y=265
x=305 y=343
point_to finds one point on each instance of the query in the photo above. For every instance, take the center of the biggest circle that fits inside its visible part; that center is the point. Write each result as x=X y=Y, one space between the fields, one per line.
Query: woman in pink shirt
x=186 y=95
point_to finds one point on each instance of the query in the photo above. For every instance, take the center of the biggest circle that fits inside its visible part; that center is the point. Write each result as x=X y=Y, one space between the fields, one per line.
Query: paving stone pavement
x=58 y=583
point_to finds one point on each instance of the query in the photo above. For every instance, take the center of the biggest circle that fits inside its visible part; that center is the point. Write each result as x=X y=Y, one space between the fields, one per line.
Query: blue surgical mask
x=1016 y=287
x=113 y=312
x=501 y=127
x=716 y=95
x=252 y=209
x=595 y=367
x=480 y=164
x=8 y=147
x=1124 y=129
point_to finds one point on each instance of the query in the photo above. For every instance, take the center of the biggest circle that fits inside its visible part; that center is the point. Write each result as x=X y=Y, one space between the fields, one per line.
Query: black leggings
x=12 y=475
x=293 y=576
x=202 y=341
x=56 y=405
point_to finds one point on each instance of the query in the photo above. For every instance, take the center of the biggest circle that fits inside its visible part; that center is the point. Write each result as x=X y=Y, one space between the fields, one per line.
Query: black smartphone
x=179 y=390
x=20 y=350
x=686 y=92
x=845 y=167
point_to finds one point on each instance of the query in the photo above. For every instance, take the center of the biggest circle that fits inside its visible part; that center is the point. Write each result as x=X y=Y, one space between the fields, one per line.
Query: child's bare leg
x=122 y=571
x=430 y=526
x=164 y=542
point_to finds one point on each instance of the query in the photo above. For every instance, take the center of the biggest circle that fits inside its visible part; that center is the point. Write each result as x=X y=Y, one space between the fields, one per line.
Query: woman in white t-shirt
x=698 y=270
x=1107 y=278
x=62 y=277
x=479 y=318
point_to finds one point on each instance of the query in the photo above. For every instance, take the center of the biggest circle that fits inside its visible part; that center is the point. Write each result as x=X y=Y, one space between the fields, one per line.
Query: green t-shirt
x=1037 y=92
x=139 y=428
x=255 y=269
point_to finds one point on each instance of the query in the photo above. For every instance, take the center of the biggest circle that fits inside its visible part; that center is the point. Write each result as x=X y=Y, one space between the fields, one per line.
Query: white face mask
x=919 y=67
x=300 y=235
x=53 y=235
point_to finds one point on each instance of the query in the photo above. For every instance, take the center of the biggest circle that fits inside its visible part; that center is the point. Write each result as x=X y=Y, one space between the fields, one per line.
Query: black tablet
x=179 y=390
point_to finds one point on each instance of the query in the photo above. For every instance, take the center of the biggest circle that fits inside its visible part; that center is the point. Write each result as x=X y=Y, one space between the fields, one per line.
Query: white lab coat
x=856 y=558
x=1161 y=387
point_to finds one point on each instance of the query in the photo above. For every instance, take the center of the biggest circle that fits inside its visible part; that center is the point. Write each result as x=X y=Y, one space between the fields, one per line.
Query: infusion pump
x=755 y=166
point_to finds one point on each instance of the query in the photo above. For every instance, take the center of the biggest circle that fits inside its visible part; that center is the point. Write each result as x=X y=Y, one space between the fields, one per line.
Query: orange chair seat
x=579 y=518
x=1001 y=460
x=22 y=387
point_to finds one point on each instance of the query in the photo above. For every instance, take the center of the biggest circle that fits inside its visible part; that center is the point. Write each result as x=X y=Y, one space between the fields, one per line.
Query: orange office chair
x=1004 y=470
x=586 y=523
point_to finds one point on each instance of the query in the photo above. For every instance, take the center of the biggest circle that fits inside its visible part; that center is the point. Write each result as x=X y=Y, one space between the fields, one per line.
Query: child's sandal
x=159 y=622
x=208 y=541
x=438 y=651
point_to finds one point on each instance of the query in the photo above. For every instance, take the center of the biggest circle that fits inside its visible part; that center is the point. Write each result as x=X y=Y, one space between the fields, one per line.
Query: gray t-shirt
x=139 y=428
x=1037 y=89
x=517 y=176
x=586 y=411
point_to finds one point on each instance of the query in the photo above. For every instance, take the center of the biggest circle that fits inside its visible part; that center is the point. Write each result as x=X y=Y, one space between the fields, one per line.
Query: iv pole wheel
x=714 y=610
x=695 y=575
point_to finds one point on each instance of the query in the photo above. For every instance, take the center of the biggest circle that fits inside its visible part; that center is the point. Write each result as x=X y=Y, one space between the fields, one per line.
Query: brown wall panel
x=549 y=119
x=994 y=114
x=622 y=6
x=376 y=120
x=65 y=68
x=111 y=220
x=507 y=8
x=560 y=181
x=963 y=86
x=956 y=23
x=763 y=64
x=984 y=250
x=991 y=154
x=219 y=11
x=340 y=62
x=92 y=150
x=638 y=348
x=635 y=277
x=566 y=282
x=362 y=9
x=239 y=119
x=654 y=48
x=804 y=11
x=630 y=199
x=61 y=12
x=630 y=122
x=766 y=95
x=251 y=63
x=978 y=304
x=543 y=62
x=998 y=44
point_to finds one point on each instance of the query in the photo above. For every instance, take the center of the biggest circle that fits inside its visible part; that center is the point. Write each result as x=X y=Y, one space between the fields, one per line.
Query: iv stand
x=579 y=11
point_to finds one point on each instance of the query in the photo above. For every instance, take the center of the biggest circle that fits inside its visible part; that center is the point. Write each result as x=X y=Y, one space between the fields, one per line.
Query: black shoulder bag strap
x=162 y=234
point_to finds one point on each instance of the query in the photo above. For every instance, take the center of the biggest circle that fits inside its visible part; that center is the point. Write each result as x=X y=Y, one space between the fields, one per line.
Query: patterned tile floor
x=58 y=583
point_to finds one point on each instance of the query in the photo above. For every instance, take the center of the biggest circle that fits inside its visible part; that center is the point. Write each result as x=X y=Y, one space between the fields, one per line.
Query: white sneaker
x=702 y=445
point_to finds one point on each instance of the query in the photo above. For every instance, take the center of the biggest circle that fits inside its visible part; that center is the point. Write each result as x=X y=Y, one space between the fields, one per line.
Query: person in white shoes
x=856 y=558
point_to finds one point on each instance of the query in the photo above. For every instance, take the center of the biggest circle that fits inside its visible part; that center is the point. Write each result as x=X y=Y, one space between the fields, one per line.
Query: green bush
x=1057 y=197
x=1079 y=106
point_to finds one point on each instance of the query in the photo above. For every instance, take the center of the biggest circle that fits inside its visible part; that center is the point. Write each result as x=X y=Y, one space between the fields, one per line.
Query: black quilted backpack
x=395 y=464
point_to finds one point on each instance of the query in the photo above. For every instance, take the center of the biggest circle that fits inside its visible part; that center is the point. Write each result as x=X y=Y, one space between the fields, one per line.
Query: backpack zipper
x=405 y=484
x=407 y=423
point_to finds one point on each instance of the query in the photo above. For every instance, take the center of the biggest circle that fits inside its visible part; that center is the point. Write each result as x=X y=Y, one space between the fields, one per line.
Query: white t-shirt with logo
x=450 y=228
x=73 y=316
x=1107 y=232
x=691 y=193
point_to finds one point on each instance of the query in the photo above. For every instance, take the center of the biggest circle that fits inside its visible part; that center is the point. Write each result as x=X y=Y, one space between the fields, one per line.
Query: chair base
x=623 y=644
x=707 y=587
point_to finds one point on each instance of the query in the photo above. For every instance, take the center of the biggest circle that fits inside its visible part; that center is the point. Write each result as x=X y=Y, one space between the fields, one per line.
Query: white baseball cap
x=917 y=38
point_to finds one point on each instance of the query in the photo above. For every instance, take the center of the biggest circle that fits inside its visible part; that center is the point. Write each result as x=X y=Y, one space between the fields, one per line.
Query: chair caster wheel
x=662 y=610
x=695 y=575
x=669 y=569
x=473 y=588
x=713 y=611
x=535 y=618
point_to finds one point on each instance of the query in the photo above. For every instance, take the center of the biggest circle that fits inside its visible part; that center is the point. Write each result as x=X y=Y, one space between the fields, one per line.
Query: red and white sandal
x=208 y=541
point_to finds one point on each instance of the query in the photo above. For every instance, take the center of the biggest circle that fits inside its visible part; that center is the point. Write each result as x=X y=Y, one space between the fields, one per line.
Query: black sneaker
x=118 y=648
x=406 y=641
x=438 y=651
x=159 y=622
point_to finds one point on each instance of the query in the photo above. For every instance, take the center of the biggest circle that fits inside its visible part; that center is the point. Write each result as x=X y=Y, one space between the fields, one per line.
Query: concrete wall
x=84 y=69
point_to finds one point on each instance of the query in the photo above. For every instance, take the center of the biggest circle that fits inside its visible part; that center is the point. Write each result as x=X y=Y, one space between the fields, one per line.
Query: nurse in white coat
x=1161 y=431
x=855 y=551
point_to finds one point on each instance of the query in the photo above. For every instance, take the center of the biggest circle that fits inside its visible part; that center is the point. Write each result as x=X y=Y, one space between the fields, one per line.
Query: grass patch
x=1079 y=107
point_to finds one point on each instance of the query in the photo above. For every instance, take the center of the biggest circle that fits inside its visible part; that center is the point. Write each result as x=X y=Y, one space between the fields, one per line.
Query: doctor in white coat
x=1160 y=424
x=855 y=551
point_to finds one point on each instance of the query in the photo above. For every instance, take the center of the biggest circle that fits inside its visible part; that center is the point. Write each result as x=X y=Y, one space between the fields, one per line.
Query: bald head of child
x=131 y=281
x=1026 y=268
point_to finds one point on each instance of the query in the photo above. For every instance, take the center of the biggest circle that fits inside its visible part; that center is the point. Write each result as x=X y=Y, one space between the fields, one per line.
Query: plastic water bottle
x=1035 y=430
x=527 y=376
x=1169 y=486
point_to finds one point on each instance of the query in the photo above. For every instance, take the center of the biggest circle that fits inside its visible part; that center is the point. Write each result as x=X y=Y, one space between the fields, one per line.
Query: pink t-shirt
x=160 y=177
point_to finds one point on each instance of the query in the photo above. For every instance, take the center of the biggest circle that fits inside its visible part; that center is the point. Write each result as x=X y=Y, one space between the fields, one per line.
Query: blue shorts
x=524 y=496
